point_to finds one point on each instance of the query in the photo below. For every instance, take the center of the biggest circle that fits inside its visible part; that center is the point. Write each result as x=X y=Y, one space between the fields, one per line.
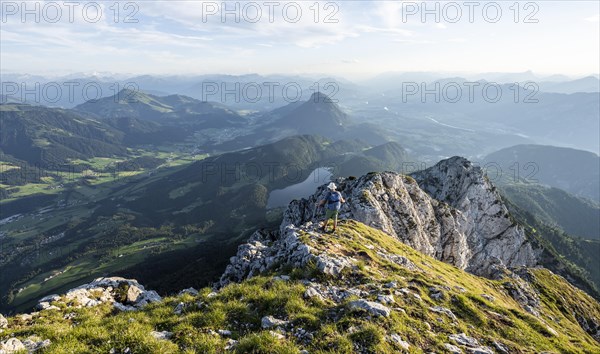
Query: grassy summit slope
x=426 y=304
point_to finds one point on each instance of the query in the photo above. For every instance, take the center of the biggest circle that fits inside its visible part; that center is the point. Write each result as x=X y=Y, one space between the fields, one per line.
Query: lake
x=282 y=197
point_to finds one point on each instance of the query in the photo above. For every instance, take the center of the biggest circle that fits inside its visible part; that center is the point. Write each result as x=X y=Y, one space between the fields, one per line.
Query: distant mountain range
x=250 y=92
x=586 y=84
x=575 y=216
x=428 y=131
x=106 y=127
x=553 y=83
x=558 y=111
x=575 y=171
x=270 y=94
x=41 y=135
x=168 y=110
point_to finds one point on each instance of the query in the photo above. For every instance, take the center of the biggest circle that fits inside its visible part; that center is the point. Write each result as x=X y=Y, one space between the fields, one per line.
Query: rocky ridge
x=302 y=246
x=449 y=211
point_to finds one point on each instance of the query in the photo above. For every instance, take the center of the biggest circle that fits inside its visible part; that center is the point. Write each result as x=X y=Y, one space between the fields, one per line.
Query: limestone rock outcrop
x=449 y=211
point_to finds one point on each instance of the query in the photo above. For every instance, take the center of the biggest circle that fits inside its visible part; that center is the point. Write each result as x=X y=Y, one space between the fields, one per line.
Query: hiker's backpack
x=334 y=200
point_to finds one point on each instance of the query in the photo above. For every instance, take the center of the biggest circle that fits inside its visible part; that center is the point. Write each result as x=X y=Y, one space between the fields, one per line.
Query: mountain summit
x=319 y=115
x=450 y=212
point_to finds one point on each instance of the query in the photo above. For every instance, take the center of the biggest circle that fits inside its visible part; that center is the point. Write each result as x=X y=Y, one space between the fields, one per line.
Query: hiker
x=334 y=201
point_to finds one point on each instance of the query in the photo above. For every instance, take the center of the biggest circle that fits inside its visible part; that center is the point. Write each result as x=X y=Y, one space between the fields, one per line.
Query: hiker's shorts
x=331 y=214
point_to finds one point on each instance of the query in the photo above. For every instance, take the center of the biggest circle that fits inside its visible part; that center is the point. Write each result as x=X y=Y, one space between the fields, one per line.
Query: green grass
x=99 y=175
x=240 y=307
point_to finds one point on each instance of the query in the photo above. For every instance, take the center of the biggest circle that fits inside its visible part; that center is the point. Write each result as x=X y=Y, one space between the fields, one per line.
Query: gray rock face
x=390 y=202
x=313 y=292
x=332 y=292
x=189 y=291
x=489 y=230
x=445 y=311
x=12 y=345
x=179 y=308
x=34 y=343
x=522 y=292
x=270 y=322
x=386 y=299
x=133 y=294
x=480 y=350
x=224 y=333
x=3 y=322
x=261 y=253
x=395 y=338
x=449 y=211
x=452 y=349
x=124 y=294
x=332 y=266
x=372 y=307
x=590 y=325
x=463 y=339
x=164 y=335
x=501 y=348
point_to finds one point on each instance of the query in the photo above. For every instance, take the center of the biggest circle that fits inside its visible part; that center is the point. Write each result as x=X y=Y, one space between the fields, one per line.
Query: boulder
x=373 y=308
x=463 y=339
x=224 y=333
x=501 y=348
x=270 y=322
x=452 y=349
x=163 y=335
x=395 y=338
x=480 y=350
x=332 y=265
x=34 y=343
x=386 y=299
x=179 y=308
x=12 y=345
x=312 y=292
x=445 y=311
x=124 y=294
x=189 y=291
x=133 y=294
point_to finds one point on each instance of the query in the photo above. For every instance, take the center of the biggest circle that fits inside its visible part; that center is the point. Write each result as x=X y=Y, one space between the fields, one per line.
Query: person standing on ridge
x=333 y=203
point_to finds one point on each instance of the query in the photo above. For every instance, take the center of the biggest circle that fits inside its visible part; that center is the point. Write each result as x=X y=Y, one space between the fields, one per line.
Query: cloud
x=385 y=30
x=389 y=13
x=593 y=18
x=174 y=36
x=299 y=25
x=413 y=41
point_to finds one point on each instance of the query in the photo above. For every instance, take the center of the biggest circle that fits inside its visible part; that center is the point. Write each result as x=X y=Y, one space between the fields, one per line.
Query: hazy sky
x=354 y=39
